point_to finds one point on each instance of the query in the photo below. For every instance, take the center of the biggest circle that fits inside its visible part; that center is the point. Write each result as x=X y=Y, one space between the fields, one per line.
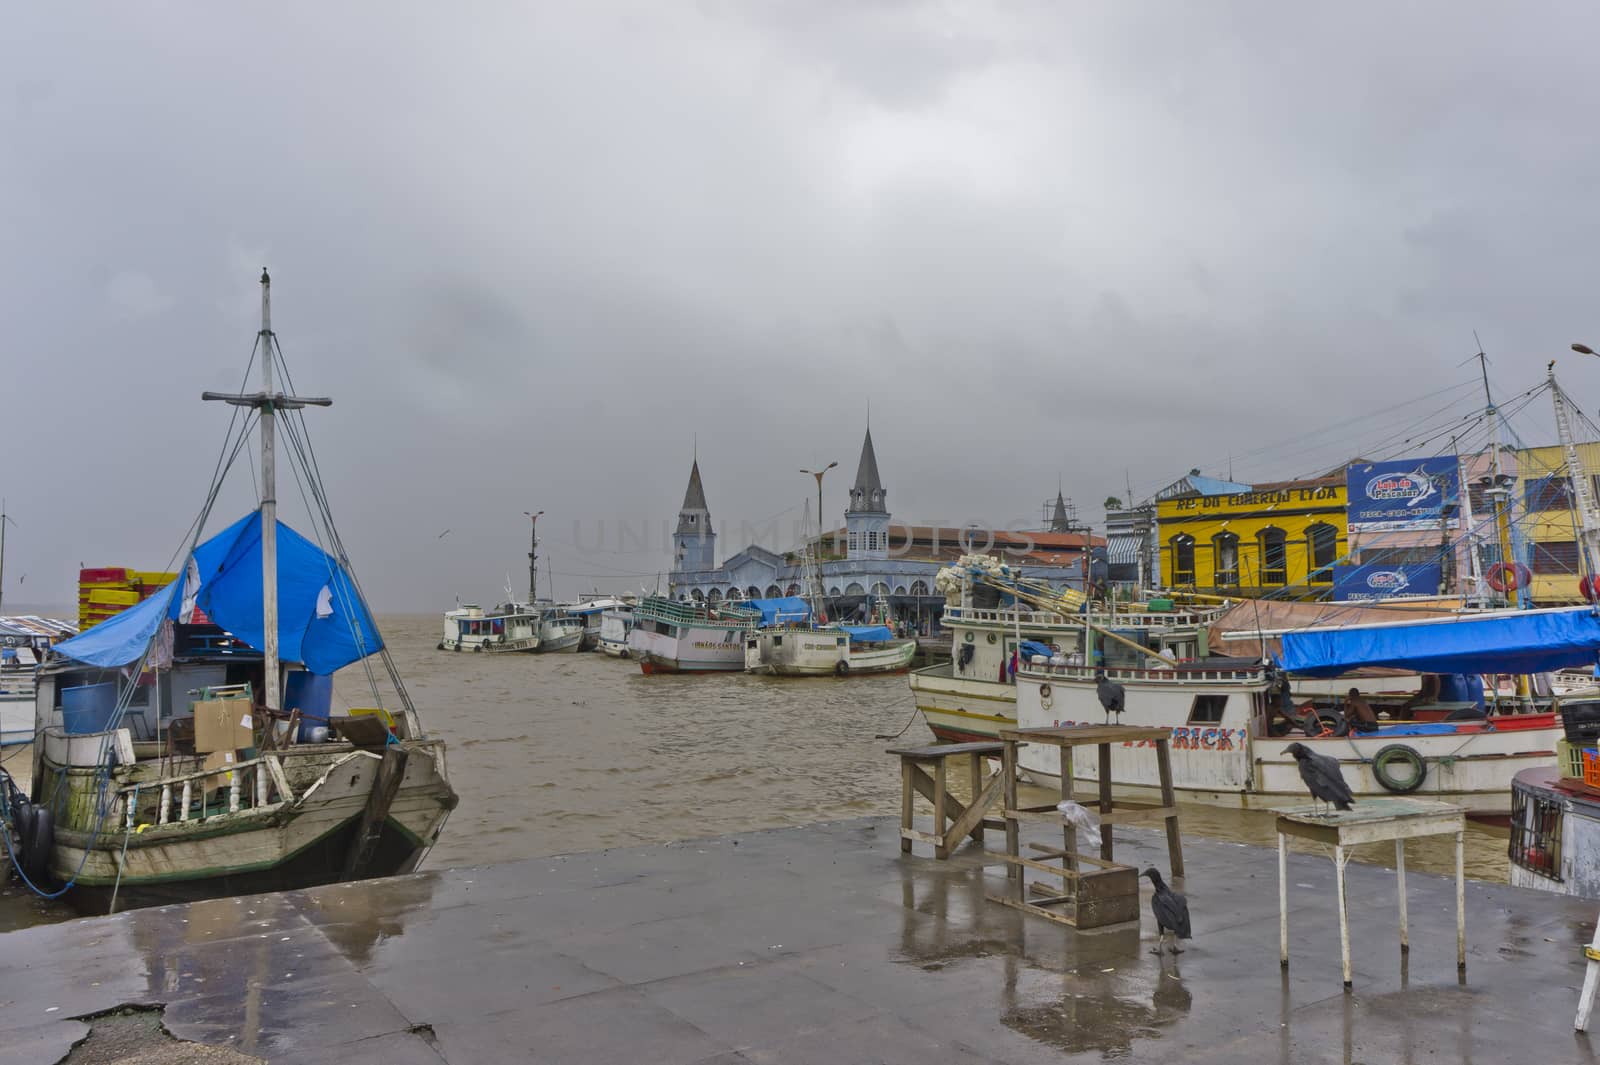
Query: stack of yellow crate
x=108 y=590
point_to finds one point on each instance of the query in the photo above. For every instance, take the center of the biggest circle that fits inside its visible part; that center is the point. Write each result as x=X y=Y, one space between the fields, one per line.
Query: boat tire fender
x=477 y=647
x=1326 y=723
x=36 y=861
x=21 y=829
x=842 y=669
x=1405 y=782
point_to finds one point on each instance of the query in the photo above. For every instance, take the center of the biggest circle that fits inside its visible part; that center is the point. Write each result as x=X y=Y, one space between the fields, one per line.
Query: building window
x=1182 y=558
x=772 y=591
x=919 y=587
x=691 y=519
x=793 y=589
x=1559 y=556
x=1323 y=541
x=855 y=542
x=1207 y=709
x=1274 y=556
x=1398 y=556
x=853 y=589
x=1225 y=549
x=1548 y=493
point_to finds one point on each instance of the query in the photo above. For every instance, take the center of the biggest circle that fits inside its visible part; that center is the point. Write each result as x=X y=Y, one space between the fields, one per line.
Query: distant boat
x=616 y=623
x=673 y=637
x=592 y=612
x=506 y=628
x=835 y=650
x=558 y=632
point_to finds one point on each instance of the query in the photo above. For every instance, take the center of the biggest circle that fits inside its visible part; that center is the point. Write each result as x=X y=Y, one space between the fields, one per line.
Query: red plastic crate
x=1591 y=767
x=103 y=575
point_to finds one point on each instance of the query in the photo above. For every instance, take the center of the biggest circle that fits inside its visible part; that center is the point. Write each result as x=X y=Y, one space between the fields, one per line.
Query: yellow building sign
x=1275 y=536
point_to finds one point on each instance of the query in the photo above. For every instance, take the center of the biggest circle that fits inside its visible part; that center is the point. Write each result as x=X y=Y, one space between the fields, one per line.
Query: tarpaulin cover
x=322 y=621
x=1529 y=642
x=1029 y=648
x=868 y=633
x=777 y=611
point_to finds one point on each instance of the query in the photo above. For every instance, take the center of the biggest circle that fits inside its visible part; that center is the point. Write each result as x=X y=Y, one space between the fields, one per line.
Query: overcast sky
x=533 y=250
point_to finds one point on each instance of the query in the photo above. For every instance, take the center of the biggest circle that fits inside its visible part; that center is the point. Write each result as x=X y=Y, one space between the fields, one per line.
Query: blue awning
x=868 y=633
x=322 y=621
x=783 y=609
x=1529 y=642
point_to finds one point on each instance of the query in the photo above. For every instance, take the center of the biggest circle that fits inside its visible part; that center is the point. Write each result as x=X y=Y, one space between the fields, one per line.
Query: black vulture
x=1113 y=697
x=1322 y=776
x=1171 y=910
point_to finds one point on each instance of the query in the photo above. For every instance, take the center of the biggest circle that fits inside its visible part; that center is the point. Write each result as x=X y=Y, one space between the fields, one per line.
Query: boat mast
x=3 y=520
x=1582 y=495
x=267 y=403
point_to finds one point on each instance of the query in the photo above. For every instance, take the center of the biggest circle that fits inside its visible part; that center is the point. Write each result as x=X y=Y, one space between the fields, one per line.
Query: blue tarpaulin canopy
x=1533 y=641
x=777 y=611
x=868 y=633
x=322 y=621
x=1029 y=648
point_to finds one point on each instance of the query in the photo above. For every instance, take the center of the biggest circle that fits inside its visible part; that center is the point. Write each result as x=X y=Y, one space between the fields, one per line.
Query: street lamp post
x=533 y=557
x=818 y=593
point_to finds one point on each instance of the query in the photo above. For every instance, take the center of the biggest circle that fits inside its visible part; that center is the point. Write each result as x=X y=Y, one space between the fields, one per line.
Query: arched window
x=879 y=588
x=834 y=590
x=1274 y=555
x=919 y=587
x=793 y=589
x=772 y=591
x=854 y=589
x=1225 y=552
x=699 y=596
x=1322 y=542
x=734 y=593
x=899 y=589
x=752 y=592
x=1182 y=547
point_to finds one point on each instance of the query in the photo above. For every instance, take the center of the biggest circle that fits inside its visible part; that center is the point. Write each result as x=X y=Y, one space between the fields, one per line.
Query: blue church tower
x=866 y=516
x=694 y=545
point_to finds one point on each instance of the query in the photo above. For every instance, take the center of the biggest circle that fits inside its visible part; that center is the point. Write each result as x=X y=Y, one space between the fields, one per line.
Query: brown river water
x=555 y=754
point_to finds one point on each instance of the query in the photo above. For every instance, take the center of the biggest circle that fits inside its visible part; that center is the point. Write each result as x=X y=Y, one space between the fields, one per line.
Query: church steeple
x=867 y=495
x=1059 y=523
x=866 y=517
x=694 y=544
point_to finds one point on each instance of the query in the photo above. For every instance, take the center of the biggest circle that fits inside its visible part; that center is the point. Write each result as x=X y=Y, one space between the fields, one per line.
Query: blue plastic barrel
x=312 y=695
x=88 y=707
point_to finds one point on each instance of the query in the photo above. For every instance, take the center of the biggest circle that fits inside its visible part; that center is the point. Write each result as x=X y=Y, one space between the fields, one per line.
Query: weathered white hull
x=502 y=630
x=695 y=649
x=615 y=648
x=614 y=629
x=1555 y=836
x=960 y=709
x=523 y=646
x=270 y=844
x=563 y=641
x=821 y=653
x=1227 y=760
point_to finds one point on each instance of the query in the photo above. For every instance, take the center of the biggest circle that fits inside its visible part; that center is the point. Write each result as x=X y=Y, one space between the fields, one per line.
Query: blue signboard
x=1376 y=581
x=1408 y=494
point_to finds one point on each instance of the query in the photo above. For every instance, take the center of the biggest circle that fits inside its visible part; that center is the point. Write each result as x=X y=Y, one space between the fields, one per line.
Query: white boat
x=506 y=628
x=972 y=696
x=1555 y=832
x=840 y=651
x=592 y=612
x=616 y=624
x=558 y=633
x=673 y=637
x=166 y=761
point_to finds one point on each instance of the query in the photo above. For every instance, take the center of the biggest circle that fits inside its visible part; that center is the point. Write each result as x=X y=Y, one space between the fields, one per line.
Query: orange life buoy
x=1508 y=576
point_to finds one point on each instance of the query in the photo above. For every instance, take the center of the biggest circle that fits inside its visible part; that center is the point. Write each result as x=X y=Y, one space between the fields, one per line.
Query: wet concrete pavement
x=814 y=944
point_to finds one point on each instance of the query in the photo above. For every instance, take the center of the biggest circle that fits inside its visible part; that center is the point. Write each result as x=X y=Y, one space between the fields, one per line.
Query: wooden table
x=951 y=820
x=1108 y=893
x=1372 y=821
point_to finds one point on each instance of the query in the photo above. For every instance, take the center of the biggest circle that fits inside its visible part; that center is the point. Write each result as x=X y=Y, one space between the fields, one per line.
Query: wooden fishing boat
x=831 y=651
x=176 y=758
x=673 y=637
x=506 y=629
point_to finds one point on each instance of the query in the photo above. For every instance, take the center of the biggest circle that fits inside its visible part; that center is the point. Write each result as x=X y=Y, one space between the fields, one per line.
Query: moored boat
x=176 y=758
x=506 y=628
x=673 y=637
x=837 y=650
x=616 y=623
x=558 y=633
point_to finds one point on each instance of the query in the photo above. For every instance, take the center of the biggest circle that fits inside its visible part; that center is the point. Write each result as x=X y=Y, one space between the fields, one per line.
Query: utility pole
x=533 y=557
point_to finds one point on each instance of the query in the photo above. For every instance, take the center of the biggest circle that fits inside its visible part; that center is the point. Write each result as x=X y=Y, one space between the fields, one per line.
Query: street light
x=1583 y=349
x=533 y=558
x=818 y=475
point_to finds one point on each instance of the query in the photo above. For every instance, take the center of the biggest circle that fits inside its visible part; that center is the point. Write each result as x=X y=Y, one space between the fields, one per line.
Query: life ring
x=842 y=669
x=1399 y=752
x=440 y=647
x=1508 y=576
x=993 y=637
x=1589 y=589
x=1044 y=691
x=625 y=653
x=458 y=647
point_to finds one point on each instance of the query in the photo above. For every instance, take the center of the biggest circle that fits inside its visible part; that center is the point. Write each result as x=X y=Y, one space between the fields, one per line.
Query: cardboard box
x=218 y=760
x=222 y=725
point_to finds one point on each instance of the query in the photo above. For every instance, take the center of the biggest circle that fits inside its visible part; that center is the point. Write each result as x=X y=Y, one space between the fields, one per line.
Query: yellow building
x=1253 y=540
x=1546 y=520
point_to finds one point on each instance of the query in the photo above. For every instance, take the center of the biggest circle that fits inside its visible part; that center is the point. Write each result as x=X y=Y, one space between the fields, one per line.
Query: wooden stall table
x=1108 y=893
x=1371 y=821
x=951 y=820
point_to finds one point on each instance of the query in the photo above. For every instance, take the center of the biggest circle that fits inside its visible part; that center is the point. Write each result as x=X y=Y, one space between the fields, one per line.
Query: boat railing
x=728 y=615
x=1189 y=674
x=1049 y=619
x=185 y=786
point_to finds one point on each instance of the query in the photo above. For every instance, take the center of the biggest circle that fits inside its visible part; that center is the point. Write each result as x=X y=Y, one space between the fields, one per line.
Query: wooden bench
x=951 y=820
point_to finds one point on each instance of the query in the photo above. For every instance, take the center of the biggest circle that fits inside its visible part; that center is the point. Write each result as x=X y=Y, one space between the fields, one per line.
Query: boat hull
x=962 y=710
x=281 y=845
x=525 y=646
x=564 y=643
x=694 y=649
x=1220 y=754
x=808 y=653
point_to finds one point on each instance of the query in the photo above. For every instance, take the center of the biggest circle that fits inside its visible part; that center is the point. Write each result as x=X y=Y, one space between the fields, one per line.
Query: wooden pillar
x=1283 y=900
x=1400 y=885
x=1105 y=800
x=1008 y=766
x=1340 y=857
x=906 y=792
x=1169 y=799
x=1069 y=833
x=976 y=766
x=939 y=784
